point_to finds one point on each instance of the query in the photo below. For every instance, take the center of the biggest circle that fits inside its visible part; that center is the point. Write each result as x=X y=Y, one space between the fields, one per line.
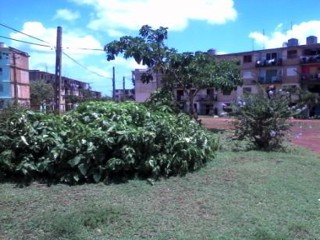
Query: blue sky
x=225 y=25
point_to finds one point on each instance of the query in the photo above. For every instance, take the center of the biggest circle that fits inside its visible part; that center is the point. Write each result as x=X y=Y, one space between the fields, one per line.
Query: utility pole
x=58 y=71
x=124 y=88
x=15 y=82
x=113 y=84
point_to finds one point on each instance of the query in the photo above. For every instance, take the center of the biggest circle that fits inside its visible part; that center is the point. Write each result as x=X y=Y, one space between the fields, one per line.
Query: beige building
x=14 y=76
x=292 y=65
x=72 y=89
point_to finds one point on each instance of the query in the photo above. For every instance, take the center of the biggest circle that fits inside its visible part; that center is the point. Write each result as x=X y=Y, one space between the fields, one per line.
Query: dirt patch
x=305 y=133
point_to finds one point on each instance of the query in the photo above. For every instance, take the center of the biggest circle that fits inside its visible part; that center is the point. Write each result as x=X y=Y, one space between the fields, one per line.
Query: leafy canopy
x=189 y=71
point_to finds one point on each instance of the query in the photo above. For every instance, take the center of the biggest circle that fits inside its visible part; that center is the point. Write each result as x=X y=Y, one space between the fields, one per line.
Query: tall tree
x=191 y=71
x=41 y=93
x=148 y=49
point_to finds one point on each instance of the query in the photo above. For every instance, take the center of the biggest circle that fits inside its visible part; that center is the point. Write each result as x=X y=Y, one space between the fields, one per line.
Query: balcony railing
x=199 y=98
x=310 y=59
x=268 y=80
x=310 y=77
x=268 y=63
x=207 y=98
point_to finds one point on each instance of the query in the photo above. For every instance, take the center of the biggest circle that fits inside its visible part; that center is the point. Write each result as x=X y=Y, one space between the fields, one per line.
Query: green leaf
x=97 y=176
x=24 y=140
x=75 y=161
x=83 y=169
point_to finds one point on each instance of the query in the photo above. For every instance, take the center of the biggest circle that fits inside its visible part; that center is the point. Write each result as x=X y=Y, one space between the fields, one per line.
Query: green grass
x=239 y=195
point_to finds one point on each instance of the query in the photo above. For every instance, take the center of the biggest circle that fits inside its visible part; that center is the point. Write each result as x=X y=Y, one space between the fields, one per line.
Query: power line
x=90 y=49
x=71 y=48
x=83 y=66
x=11 y=28
x=31 y=43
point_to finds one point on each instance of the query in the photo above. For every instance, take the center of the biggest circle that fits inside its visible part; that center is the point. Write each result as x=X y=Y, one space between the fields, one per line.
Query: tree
x=263 y=118
x=303 y=100
x=191 y=71
x=195 y=71
x=148 y=49
x=42 y=93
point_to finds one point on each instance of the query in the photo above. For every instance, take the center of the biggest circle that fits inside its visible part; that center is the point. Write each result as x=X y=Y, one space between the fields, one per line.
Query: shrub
x=102 y=141
x=263 y=119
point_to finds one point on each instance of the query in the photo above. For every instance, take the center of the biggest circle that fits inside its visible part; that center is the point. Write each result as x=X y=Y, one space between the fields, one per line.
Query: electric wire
x=11 y=28
x=41 y=40
x=81 y=65
x=53 y=47
x=30 y=43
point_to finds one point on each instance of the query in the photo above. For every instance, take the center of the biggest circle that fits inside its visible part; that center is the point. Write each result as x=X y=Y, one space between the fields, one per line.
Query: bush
x=263 y=119
x=102 y=141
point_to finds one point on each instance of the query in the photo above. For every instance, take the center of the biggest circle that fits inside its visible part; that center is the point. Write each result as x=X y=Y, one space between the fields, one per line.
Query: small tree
x=195 y=71
x=42 y=93
x=263 y=118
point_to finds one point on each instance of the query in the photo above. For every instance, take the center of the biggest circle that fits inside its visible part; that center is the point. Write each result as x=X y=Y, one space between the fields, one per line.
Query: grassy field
x=239 y=195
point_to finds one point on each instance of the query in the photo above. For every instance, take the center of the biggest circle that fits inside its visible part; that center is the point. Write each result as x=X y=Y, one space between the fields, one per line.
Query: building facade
x=124 y=94
x=293 y=65
x=14 y=77
x=71 y=90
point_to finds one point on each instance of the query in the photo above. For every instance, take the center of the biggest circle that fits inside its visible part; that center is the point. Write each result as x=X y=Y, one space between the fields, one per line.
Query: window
x=246 y=90
x=1 y=87
x=226 y=92
x=210 y=91
x=247 y=58
x=292 y=54
x=0 y=71
x=270 y=56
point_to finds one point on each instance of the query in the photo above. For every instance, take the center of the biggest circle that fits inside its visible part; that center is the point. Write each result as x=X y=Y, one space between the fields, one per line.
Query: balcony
x=310 y=59
x=207 y=98
x=198 y=98
x=269 y=63
x=310 y=77
x=270 y=80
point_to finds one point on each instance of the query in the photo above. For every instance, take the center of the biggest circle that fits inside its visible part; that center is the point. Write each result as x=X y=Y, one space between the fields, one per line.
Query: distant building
x=14 y=77
x=72 y=90
x=292 y=65
x=122 y=95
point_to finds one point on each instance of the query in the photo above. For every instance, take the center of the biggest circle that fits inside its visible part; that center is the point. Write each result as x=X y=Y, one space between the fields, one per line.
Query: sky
x=228 y=26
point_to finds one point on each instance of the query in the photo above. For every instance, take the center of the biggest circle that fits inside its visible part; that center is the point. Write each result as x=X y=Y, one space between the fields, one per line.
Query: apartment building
x=291 y=65
x=71 y=90
x=124 y=94
x=14 y=76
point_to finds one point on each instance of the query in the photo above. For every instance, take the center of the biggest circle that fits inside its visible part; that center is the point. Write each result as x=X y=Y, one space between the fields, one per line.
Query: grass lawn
x=239 y=195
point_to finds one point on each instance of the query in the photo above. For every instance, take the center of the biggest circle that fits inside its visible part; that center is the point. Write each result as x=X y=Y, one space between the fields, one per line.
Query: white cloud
x=71 y=41
x=115 y=33
x=277 y=38
x=43 y=58
x=123 y=14
x=66 y=14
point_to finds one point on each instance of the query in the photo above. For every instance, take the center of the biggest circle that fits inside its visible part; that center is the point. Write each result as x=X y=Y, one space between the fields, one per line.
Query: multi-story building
x=71 y=90
x=14 y=77
x=124 y=94
x=290 y=65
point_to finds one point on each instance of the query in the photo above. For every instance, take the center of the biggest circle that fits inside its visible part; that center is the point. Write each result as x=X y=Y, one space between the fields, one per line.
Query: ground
x=304 y=133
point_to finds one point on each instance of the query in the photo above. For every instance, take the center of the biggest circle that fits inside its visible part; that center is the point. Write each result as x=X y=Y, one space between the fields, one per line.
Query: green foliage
x=192 y=72
x=147 y=49
x=41 y=93
x=102 y=141
x=188 y=71
x=262 y=119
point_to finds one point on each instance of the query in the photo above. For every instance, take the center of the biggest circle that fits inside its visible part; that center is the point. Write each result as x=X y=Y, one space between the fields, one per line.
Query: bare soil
x=305 y=133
